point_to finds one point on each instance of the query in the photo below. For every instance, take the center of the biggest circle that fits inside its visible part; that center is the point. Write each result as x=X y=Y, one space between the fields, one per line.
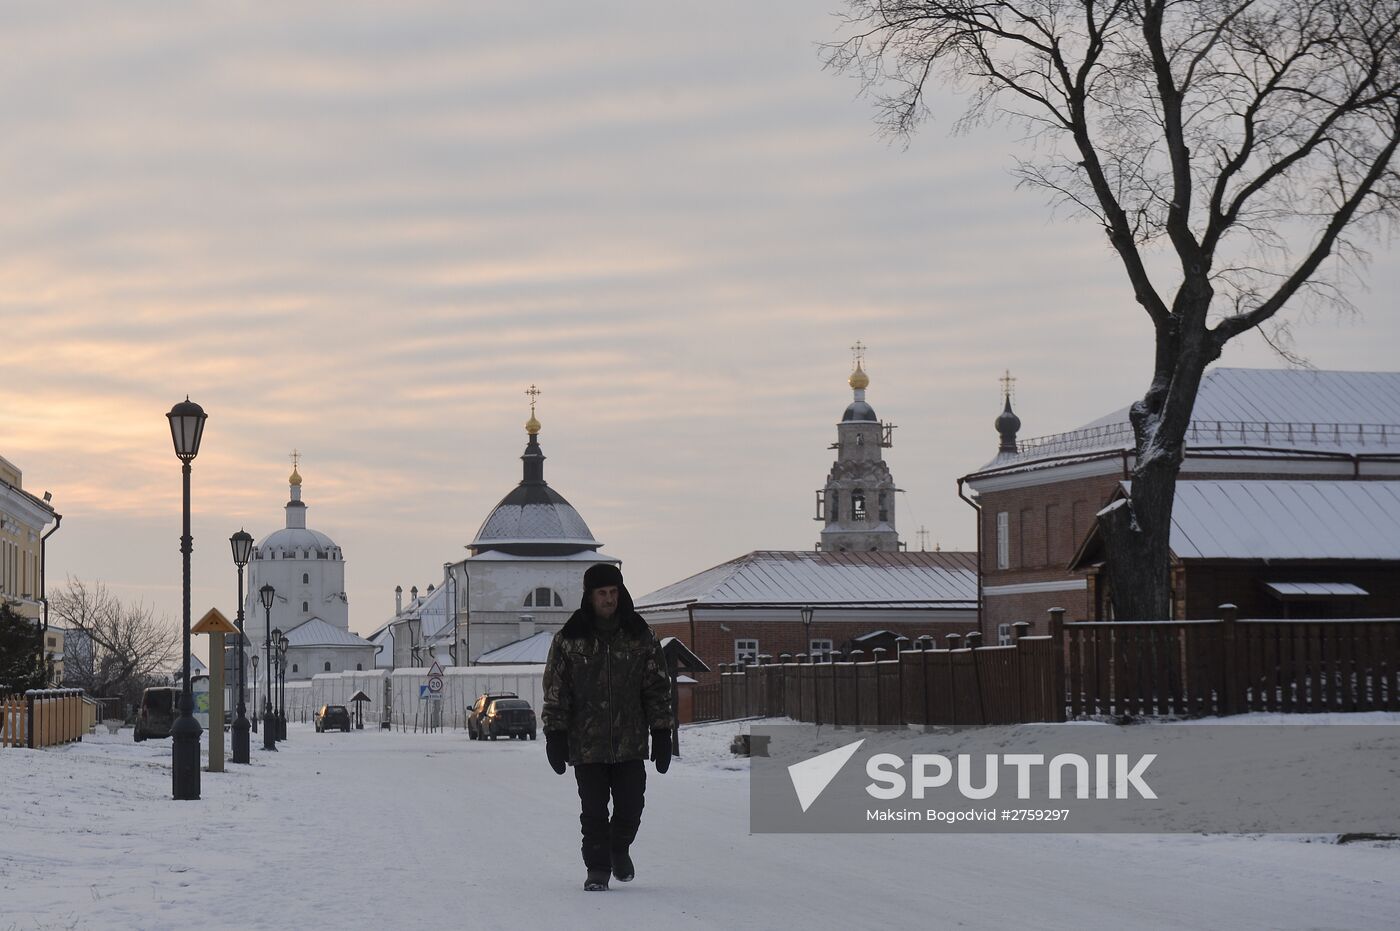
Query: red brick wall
x=1208 y=587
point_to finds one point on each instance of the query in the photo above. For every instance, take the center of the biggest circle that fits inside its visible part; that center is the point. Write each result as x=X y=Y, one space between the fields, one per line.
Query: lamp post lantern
x=186 y=430
x=807 y=626
x=242 y=544
x=266 y=594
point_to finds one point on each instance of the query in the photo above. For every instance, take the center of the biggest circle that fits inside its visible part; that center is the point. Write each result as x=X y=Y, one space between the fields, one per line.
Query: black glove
x=556 y=747
x=661 y=749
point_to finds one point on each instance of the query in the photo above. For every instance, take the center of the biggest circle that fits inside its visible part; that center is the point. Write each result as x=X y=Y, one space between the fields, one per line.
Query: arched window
x=860 y=439
x=544 y=597
x=359 y=666
x=858 y=505
x=305 y=606
x=294 y=667
x=306 y=578
x=884 y=506
x=328 y=666
x=834 y=508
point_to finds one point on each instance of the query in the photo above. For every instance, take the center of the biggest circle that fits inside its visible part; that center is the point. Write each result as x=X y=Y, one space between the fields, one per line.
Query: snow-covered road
x=375 y=829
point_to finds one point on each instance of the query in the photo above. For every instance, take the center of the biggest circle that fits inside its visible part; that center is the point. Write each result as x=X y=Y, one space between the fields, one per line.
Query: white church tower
x=857 y=503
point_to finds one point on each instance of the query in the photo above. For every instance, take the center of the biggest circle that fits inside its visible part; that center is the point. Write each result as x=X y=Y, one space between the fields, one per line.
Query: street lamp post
x=242 y=543
x=279 y=641
x=266 y=594
x=255 y=692
x=282 y=713
x=186 y=430
x=807 y=625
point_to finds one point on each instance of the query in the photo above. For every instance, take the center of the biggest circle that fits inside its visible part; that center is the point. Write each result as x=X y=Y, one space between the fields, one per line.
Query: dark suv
x=474 y=717
x=332 y=716
x=510 y=716
x=159 y=707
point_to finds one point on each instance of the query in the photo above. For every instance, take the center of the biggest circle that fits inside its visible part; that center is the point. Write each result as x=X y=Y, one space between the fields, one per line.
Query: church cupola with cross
x=857 y=505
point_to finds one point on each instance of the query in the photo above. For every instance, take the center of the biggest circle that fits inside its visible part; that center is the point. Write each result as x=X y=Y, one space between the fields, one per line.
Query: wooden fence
x=1232 y=665
x=1086 y=669
x=42 y=718
x=962 y=683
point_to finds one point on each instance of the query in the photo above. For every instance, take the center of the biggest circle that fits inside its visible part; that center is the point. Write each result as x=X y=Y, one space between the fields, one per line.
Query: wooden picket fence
x=1085 y=669
x=42 y=718
x=961 y=683
x=1232 y=665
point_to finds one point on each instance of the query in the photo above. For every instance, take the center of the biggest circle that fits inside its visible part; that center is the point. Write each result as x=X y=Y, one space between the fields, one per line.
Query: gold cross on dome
x=296 y=459
x=533 y=392
x=1007 y=384
x=858 y=353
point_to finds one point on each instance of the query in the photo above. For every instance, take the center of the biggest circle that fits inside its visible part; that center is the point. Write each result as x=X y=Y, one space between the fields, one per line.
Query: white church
x=523 y=578
x=306 y=570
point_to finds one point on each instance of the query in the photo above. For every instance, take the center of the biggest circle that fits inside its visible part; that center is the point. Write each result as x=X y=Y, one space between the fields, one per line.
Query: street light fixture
x=276 y=674
x=282 y=645
x=242 y=544
x=807 y=625
x=266 y=594
x=186 y=430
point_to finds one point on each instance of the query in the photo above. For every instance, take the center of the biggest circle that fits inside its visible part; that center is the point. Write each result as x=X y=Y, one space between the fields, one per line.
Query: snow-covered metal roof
x=317 y=633
x=533 y=649
x=1273 y=409
x=1316 y=589
x=1286 y=520
x=787 y=577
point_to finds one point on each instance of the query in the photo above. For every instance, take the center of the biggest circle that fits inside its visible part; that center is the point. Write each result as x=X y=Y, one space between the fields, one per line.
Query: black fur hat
x=601 y=575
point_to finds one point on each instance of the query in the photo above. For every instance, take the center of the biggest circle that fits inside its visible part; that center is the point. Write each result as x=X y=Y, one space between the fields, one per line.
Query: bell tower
x=857 y=505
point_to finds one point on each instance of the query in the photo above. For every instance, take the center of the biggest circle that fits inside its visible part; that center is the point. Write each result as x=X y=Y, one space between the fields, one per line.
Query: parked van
x=160 y=706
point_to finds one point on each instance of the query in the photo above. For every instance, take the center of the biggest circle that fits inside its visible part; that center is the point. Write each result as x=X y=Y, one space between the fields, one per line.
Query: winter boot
x=622 y=865
x=597 y=881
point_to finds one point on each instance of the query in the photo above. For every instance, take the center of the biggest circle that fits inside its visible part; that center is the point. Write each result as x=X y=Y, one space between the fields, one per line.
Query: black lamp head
x=267 y=593
x=242 y=543
x=187 y=428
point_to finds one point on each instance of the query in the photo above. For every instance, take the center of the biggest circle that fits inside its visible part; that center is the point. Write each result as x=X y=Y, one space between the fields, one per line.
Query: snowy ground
x=375 y=829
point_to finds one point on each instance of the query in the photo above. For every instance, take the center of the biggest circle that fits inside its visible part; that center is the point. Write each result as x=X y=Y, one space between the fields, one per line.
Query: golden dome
x=858 y=379
x=532 y=426
x=295 y=478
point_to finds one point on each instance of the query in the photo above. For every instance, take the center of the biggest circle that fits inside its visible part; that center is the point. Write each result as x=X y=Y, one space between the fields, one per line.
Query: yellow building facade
x=23 y=519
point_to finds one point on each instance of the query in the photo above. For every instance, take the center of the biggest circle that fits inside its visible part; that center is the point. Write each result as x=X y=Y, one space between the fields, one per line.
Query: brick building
x=1273 y=456
x=774 y=602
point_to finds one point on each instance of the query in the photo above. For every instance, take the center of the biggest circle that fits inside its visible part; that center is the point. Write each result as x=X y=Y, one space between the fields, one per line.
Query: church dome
x=534 y=519
x=289 y=541
x=859 y=411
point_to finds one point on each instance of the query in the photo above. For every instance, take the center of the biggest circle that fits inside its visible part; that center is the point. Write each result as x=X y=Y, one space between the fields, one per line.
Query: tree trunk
x=1137 y=532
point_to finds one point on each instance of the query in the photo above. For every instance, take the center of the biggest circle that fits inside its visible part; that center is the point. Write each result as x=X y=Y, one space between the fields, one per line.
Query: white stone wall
x=326 y=580
x=311 y=661
x=493 y=599
x=461 y=686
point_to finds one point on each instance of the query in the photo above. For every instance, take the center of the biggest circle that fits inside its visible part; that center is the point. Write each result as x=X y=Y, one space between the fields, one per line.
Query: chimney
x=414 y=592
x=527 y=626
x=398 y=600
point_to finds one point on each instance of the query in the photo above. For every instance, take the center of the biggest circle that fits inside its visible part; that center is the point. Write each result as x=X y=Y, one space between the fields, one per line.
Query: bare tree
x=1231 y=150
x=112 y=649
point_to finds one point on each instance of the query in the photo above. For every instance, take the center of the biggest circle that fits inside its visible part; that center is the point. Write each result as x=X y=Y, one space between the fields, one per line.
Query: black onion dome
x=859 y=411
x=534 y=519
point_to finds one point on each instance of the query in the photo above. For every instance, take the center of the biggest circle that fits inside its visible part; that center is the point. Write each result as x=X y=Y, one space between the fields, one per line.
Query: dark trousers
x=626 y=783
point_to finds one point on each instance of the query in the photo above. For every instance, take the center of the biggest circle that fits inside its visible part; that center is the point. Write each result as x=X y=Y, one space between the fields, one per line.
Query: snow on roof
x=533 y=649
x=1276 y=409
x=788 y=577
x=1316 y=589
x=317 y=633
x=1286 y=520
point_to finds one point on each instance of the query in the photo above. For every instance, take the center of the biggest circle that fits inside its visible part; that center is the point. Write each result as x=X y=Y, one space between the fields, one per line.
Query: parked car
x=160 y=705
x=332 y=716
x=512 y=717
x=478 y=711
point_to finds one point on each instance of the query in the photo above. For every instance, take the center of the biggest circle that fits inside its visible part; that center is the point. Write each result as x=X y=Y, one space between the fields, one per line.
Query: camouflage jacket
x=608 y=695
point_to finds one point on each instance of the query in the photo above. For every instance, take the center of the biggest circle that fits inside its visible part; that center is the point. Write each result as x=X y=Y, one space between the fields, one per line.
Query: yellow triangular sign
x=214 y=623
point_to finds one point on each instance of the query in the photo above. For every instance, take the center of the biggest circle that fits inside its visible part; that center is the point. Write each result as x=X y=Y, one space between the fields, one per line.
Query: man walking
x=605 y=692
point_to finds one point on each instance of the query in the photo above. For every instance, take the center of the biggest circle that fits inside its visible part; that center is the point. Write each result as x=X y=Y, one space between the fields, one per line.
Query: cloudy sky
x=363 y=230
